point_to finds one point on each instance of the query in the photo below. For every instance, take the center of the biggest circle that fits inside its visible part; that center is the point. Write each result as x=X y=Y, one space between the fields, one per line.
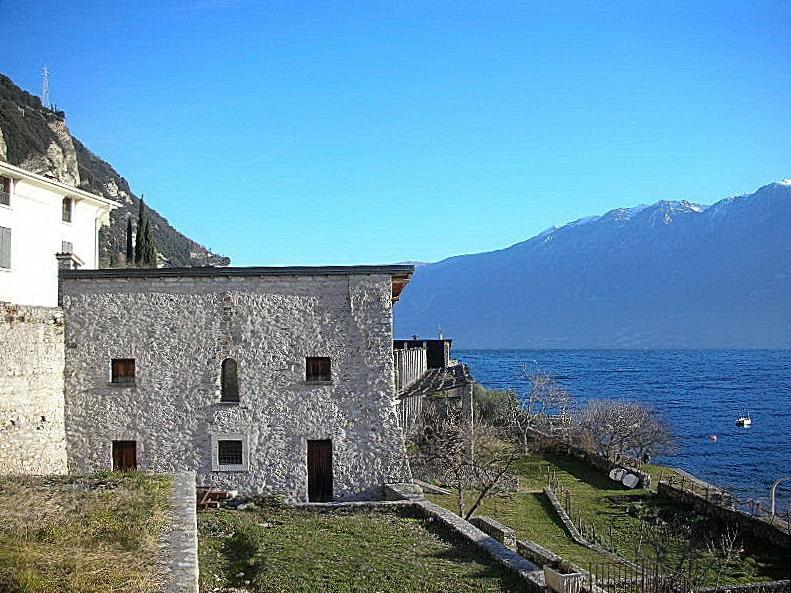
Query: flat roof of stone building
x=400 y=273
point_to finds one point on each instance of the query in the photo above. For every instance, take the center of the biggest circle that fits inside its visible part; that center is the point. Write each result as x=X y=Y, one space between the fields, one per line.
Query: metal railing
x=723 y=498
x=643 y=577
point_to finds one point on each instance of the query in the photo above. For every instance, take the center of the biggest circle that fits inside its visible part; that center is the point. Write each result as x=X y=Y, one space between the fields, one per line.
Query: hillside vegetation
x=38 y=140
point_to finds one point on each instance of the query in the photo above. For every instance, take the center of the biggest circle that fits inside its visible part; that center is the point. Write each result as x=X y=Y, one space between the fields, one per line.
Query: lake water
x=700 y=393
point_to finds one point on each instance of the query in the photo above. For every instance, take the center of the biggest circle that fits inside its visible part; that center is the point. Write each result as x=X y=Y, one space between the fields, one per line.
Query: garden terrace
x=615 y=511
x=275 y=548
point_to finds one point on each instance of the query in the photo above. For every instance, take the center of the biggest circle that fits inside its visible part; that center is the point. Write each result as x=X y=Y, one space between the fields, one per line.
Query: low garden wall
x=758 y=528
x=768 y=587
x=180 y=545
x=457 y=527
x=538 y=554
x=504 y=535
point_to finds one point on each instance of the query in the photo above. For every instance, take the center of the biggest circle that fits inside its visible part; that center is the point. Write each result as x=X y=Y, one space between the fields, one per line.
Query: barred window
x=229 y=452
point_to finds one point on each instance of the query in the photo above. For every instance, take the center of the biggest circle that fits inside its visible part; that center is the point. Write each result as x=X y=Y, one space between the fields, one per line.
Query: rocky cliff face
x=38 y=140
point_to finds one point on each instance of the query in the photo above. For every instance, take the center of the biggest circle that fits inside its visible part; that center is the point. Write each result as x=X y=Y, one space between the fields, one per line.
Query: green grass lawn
x=614 y=510
x=275 y=549
x=97 y=534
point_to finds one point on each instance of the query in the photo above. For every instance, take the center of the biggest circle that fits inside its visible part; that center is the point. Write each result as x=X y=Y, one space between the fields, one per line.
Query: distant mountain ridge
x=673 y=274
x=38 y=140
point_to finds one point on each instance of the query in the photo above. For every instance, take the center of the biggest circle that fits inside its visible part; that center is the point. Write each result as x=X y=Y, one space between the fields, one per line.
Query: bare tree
x=726 y=546
x=535 y=409
x=614 y=428
x=441 y=445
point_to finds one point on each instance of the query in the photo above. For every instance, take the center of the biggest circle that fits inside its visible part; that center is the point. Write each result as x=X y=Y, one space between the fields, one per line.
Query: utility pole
x=45 y=87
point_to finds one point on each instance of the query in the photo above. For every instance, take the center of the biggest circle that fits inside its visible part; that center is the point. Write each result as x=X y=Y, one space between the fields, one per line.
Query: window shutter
x=5 y=247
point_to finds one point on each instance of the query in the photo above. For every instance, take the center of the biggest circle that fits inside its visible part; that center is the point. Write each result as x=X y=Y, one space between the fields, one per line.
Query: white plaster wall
x=32 y=434
x=37 y=230
x=179 y=330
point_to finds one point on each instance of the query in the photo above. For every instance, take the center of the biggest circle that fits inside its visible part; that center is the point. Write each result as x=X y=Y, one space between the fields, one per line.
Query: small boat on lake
x=744 y=421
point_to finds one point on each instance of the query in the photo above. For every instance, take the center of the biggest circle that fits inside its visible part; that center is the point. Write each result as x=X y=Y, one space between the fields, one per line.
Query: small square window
x=317 y=369
x=123 y=370
x=67 y=207
x=66 y=247
x=229 y=452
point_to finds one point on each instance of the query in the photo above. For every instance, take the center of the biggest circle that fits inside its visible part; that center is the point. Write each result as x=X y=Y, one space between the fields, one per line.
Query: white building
x=39 y=218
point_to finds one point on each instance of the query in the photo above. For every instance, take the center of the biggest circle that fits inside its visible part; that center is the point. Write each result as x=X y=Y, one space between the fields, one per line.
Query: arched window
x=229 y=381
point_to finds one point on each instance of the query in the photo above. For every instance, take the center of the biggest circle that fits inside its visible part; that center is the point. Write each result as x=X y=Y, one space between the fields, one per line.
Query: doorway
x=124 y=455
x=320 y=471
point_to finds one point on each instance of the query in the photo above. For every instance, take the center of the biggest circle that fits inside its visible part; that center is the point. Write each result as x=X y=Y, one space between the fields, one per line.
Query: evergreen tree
x=140 y=247
x=130 y=249
x=150 y=253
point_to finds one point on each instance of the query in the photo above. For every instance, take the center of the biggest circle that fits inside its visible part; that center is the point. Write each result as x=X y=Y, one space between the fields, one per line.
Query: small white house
x=44 y=224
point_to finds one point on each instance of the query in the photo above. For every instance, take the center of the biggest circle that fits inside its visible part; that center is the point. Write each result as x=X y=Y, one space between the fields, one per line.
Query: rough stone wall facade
x=179 y=330
x=32 y=436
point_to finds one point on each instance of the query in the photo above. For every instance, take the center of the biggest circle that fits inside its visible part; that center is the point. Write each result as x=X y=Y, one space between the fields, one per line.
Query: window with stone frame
x=317 y=369
x=123 y=370
x=229 y=453
x=229 y=381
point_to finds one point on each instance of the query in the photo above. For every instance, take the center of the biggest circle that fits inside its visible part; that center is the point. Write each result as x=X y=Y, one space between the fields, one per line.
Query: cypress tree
x=150 y=254
x=130 y=249
x=140 y=247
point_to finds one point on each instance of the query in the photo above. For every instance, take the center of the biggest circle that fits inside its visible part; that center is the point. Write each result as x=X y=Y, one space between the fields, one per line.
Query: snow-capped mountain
x=667 y=275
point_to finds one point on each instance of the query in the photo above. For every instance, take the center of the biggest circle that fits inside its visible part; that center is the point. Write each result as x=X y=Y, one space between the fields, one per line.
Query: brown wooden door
x=319 y=471
x=124 y=455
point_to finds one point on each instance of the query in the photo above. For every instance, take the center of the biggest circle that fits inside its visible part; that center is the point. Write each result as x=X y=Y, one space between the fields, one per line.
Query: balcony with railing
x=410 y=365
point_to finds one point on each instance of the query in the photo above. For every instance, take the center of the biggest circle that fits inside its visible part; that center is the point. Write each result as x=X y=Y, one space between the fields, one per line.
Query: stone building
x=273 y=380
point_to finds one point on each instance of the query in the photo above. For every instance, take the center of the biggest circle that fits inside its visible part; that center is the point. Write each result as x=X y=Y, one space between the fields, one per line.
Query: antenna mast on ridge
x=45 y=87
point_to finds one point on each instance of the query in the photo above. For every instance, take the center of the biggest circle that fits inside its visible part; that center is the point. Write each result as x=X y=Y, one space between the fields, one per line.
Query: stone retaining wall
x=457 y=527
x=504 y=535
x=181 y=540
x=767 y=587
x=603 y=464
x=531 y=574
x=757 y=528
x=32 y=433
x=538 y=554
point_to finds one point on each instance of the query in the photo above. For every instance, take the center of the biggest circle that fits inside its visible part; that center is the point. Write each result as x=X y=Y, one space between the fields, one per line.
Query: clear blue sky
x=361 y=132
